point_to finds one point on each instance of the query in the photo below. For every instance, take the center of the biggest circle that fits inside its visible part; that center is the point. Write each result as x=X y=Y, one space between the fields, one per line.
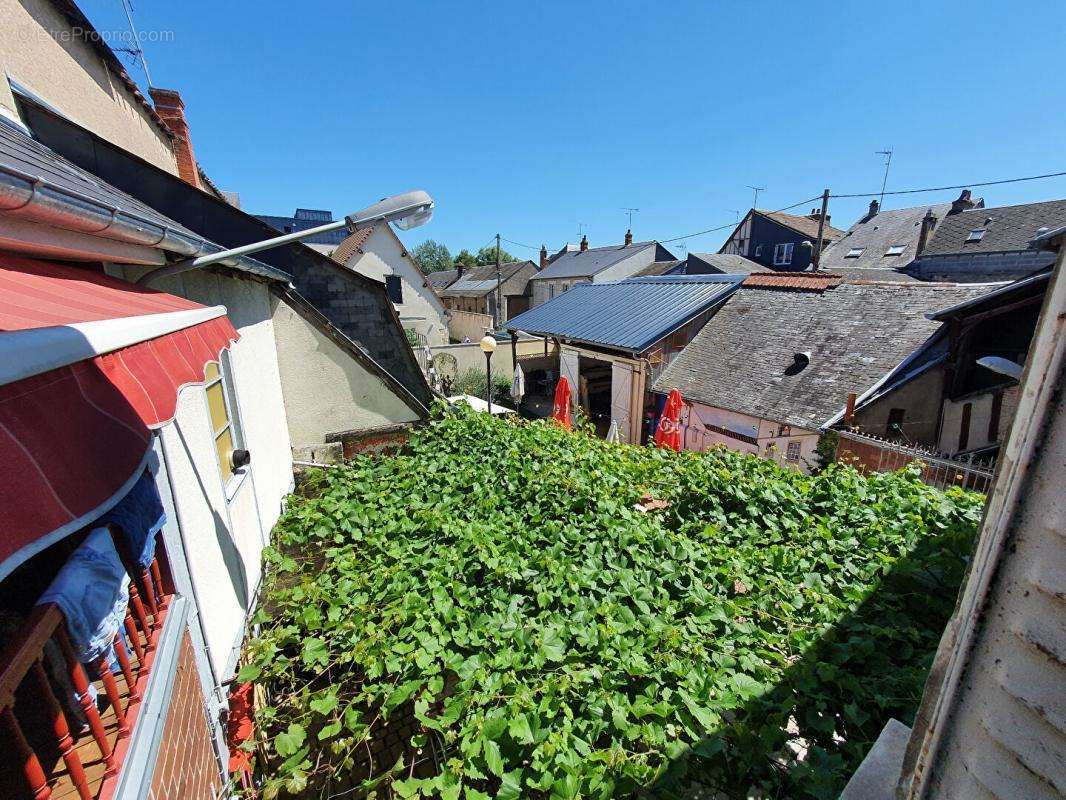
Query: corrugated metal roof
x=628 y=315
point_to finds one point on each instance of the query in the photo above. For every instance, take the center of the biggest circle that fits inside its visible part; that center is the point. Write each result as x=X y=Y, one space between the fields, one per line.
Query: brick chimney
x=584 y=243
x=629 y=238
x=543 y=257
x=458 y=269
x=169 y=106
x=964 y=203
x=928 y=226
x=874 y=208
x=816 y=215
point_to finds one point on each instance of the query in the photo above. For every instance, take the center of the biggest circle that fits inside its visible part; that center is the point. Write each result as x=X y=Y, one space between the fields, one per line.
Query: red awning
x=88 y=365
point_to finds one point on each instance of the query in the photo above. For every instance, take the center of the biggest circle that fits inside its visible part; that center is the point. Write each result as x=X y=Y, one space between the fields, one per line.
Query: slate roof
x=302 y=223
x=803 y=225
x=442 y=279
x=1007 y=228
x=578 y=264
x=738 y=361
x=479 y=281
x=660 y=268
x=29 y=160
x=723 y=263
x=629 y=315
x=874 y=235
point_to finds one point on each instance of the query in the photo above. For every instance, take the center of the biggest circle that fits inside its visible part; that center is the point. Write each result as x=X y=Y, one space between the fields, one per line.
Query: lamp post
x=488 y=345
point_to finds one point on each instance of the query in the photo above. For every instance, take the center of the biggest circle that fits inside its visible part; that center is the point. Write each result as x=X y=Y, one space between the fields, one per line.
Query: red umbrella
x=668 y=433
x=561 y=409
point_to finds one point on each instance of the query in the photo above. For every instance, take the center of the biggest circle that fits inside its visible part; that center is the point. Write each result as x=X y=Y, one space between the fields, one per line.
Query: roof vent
x=800 y=361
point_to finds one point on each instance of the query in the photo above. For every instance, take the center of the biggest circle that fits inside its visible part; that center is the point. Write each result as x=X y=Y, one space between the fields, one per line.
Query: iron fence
x=881 y=455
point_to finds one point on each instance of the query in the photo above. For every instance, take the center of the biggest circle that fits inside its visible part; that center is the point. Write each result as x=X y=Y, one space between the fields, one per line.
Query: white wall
x=951 y=427
x=384 y=254
x=325 y=389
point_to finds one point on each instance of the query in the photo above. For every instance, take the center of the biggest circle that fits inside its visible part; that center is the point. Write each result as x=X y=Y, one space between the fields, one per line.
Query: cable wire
x=734 y=223
x=518 y=244
x=959 y=186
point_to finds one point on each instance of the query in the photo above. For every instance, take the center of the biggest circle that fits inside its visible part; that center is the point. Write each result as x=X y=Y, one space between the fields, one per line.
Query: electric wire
x=957 y=186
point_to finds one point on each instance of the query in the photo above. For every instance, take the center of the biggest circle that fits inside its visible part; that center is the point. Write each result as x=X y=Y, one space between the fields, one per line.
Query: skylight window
x=855 y=252
x=976 y=235
x=895 y=250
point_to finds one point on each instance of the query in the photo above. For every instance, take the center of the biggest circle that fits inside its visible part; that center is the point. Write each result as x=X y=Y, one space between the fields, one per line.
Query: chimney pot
x=964 y=203
x=584 y=243
x=543 y=256
x=171 y=109
x=874 y=207
x=629 y=238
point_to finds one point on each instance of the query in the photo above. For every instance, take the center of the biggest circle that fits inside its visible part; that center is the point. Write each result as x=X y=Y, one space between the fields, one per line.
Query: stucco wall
x=38 y=50
x=920 y=400
x=383 y=254
x=541 y=290
x=325 y=389
x=699 y=422
x=980 y=415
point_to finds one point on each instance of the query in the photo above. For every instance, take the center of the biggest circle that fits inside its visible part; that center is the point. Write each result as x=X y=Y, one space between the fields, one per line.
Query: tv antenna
x=887 y=153
x=756 y=190
x=737 y=213
x=135 y=48
x=580 y=230
x=629 y=213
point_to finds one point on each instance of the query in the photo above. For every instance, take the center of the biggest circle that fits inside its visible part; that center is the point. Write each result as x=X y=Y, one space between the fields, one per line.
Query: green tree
x=466 y=258
x=432 y=256
x=487 y=255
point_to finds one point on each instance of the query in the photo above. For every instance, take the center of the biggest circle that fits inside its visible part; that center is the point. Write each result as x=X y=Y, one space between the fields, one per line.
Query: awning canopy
x=88 y=365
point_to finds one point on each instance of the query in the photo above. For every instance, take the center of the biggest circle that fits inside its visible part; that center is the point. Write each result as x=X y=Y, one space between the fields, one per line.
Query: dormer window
x=855 y=252
x=976 y=235
x=895 y=250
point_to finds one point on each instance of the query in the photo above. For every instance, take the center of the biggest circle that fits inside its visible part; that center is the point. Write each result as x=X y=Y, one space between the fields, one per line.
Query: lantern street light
x=488 y=345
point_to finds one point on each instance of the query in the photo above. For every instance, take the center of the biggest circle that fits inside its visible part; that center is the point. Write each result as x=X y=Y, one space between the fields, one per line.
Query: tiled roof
x=346 y=249
x=873 y=236
x=744 y=358
x=630 y=315
x=792 y=281
x=581 y=264
x=442 y=279
x=479 y=281
x=803 y=225
x=1007 y=228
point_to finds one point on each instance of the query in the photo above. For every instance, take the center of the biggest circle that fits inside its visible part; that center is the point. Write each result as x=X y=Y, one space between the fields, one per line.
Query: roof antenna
x=737 y=213
x=135 y=48
x=887 y=153
x=755 y=200
x=629 y=213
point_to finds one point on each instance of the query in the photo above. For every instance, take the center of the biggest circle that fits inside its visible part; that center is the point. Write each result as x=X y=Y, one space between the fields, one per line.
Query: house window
x=894 y=426
x=895 y=250
x=855 y=252
x=221 y=404
x=394 y=286
x=758 y=250
x=976 y=235
x=792 y=452
x=783 y=254
x=551 y=291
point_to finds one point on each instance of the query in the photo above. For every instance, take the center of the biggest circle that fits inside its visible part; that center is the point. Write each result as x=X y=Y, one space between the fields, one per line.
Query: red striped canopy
x=75 y=436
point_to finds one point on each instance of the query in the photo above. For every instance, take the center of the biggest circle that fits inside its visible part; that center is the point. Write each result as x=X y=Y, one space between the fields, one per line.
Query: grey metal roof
x=875 y=235
x=629 y=315
x=305 y=219
x=856 y=333
x=1007 y=228
x=34 y=180
x=582 y=264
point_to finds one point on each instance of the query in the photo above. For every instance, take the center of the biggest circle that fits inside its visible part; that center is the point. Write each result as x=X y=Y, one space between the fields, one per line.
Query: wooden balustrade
x=24 y=672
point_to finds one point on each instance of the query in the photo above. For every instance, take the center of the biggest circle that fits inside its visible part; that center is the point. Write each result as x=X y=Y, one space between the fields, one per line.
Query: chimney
x=816 y=215
x=928 y=225
x=874 y=208
x=458 y=270
x=629 y=238
x=543 y=256
x=964 y=203
x=584 y=243
x=169 y=106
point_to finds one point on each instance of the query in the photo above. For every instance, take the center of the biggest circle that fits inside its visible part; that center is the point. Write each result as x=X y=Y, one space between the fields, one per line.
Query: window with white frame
x=855 y=252
x=783 y=254
x=758 y=250
x=895 y=250
x=976 y=235
x=222 y=406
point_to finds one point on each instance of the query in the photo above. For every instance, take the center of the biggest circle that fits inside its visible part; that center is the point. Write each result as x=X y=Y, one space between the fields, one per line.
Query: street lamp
x=488 y=345
x=407 y=210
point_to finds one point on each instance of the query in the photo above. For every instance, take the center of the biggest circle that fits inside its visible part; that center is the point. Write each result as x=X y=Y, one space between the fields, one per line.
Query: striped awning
x=89 y=364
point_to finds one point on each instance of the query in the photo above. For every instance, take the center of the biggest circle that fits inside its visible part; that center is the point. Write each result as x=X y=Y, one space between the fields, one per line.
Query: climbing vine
x=568 y=618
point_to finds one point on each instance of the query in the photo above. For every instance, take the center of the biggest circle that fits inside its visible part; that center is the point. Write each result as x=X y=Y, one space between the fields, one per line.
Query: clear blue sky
x=529 y=118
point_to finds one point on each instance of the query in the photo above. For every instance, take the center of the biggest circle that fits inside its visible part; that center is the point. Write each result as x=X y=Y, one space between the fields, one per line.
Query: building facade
x=778 y=241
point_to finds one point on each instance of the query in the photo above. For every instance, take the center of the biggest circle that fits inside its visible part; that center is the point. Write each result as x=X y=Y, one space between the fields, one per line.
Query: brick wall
x=187 y=768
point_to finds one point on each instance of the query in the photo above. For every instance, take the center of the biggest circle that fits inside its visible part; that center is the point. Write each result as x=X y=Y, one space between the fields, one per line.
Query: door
x=621 y=399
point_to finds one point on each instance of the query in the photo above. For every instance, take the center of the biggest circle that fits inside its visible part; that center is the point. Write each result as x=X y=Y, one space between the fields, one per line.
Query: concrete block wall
x=980 y=267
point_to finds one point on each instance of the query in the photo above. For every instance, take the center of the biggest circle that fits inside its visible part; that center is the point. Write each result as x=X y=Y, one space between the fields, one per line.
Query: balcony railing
x=39 y=672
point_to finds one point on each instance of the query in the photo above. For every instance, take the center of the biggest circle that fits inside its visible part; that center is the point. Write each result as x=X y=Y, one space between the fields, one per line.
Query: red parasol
x=561 y=409
x=668 y=433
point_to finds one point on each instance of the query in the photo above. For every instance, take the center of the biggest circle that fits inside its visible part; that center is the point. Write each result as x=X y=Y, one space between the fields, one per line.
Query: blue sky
x=530 y=119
